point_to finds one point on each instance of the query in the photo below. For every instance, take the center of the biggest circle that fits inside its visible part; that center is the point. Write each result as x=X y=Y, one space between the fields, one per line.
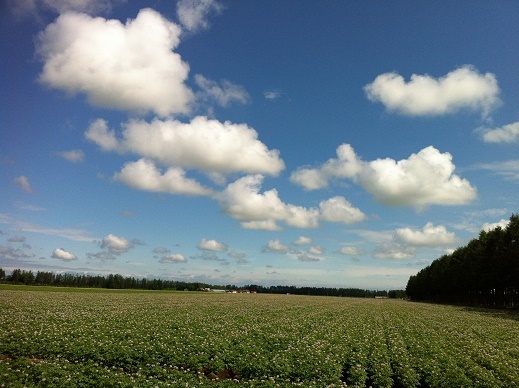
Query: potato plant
x=182 y=339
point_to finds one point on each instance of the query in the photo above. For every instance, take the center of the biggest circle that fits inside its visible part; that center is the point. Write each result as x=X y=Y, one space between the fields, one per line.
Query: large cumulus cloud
x=203 y=144
x=129 y=66
x=424 y=95
x=243 y=201
x=425 y=178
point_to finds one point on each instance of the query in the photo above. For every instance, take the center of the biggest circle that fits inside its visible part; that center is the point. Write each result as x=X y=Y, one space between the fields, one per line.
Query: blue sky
x=342 y=144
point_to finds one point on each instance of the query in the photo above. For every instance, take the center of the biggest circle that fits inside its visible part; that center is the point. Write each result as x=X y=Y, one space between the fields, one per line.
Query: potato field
x=187 y=339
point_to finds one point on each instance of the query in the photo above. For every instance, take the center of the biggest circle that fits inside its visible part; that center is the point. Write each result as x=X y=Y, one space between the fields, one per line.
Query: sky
x=327 y=144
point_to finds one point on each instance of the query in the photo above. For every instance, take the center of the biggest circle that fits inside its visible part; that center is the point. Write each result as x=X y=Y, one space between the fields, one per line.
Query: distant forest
x=119 y=282
x=485 y=272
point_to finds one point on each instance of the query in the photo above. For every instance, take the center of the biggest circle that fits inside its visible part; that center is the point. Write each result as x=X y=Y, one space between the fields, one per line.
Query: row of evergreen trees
x=112 y=281
x=485 y=272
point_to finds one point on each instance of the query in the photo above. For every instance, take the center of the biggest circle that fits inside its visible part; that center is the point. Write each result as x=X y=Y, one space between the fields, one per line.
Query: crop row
x=189 y=339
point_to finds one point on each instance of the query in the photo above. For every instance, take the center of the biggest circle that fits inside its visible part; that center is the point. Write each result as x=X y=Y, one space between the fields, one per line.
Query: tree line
x=485 y=272
x=115 y=281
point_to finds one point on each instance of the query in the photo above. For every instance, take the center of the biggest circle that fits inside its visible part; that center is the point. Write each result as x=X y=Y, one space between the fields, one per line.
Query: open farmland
x=205 y=339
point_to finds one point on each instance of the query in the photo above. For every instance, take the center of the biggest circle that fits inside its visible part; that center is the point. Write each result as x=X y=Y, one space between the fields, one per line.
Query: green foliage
x=485 y=272
x=129 y=339
x=118 y=282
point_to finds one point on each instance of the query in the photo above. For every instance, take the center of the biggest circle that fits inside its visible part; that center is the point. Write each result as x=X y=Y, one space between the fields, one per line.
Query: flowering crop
x=192 y=339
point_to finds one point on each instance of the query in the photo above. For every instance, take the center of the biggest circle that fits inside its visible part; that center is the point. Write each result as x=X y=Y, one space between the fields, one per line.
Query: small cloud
x=207 y=257
x=302 y=240
x=61 y=254
x=223 y=94
x=429 y=237
x=272 y=94
x=74 y=156
x=505 y=134
x=277 y=247
x=350 y=250
x=127 y=213
x=487 y=227
x=101 y=256
x=212 y=245
x=316 y=250
x=116 y=245
x=173 y=258
x=193 y=14
x=23 y=182
x=307 y=258
x=14 y=254
x=16 y=239
x=394 y=251
x=161 y=250
x=237 y=255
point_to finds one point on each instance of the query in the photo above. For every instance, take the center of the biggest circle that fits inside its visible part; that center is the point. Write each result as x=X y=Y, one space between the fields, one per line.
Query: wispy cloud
x=23 y=182
x=272 y=94
x=68 y=233
x=74 y=156
x=508 y=169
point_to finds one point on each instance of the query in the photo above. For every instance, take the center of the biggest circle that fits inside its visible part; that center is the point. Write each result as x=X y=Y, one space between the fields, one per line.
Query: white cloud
x=307 y=258
x=116 y=245
x=338 y=209
x=425 y=178
x=68 y=233
x=32 y=7
x=505 y=134
x=346 y=165
x=509 y=168
x=14 y=253
x=268 y=224
x=193 y=14
x=173 y=258
x=272 y=94
x=123 y=66
x=242 y=201
x=223 y=94
x=301 y=217
x=61 y=254
x=424 y=95
x=144 y=175
x=277 y=247
x=316 y=250
x=23 y=182
x=350 y=250
x=487 y=227
x=204 y=144
x=237 y=255
x=394 y=251
x=74 y=156
x=302 y=240
x=99 y=133
x=16 y=239
x=101 y=256
x=32 y=208
x=212 y=245
x=161 y=250
x=430 y=236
